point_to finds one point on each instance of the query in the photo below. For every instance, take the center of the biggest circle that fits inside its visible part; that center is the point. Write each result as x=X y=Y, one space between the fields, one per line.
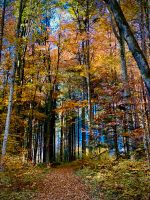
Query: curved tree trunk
x=131 y=41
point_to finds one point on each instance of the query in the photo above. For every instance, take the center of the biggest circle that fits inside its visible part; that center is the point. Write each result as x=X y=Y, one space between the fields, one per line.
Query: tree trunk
x=2 y=27
x=142 y=27
x=115 y=138
x=52 y=132
x=88 y=76
x=61 y=137
x=83 y=133
x=78 y=131
x=29 y=139
x=10 y=103
x=147 y=19
x=8 y=118
x=131 y=41
x=146 y=123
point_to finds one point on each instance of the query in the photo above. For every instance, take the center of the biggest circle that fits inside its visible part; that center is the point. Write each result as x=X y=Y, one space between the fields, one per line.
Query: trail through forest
x=74 y=92
x=63 y=184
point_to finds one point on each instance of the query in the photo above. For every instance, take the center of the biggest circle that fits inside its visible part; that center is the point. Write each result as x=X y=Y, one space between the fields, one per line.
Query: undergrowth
x=19 y=180
x=116 y=180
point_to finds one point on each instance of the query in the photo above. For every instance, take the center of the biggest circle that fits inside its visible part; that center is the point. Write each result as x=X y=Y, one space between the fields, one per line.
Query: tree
x=71 y=76
x=10 y=101
x=2 y=17
x=131 y=41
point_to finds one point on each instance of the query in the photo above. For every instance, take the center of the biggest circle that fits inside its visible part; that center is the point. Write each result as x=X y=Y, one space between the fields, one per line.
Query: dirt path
x=63 y=184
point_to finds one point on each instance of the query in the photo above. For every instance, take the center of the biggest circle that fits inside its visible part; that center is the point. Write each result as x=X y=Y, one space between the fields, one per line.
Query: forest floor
x=63 y=184
x=88 y=179
x=24 y=181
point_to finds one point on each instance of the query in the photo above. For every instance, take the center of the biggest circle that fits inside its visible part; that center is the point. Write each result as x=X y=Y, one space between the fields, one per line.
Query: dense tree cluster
x=74 y=78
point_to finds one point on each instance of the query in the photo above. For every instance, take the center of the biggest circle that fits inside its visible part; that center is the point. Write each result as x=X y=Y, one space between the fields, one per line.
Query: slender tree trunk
x=52 y=132
x=115 y=138
x=142 y=27
x=37 y=134
x=29 y=139
x=147 y=20
x=73 y=139
x=19 y=83
x=47 y=129
x=45 y=141
x=88 y=76
x=41 y=143
x=10 y=103
x=83 y=133
x=78 y=121
x=2 y=17
x=61 y=138
x=9 y=111
x=146 y=123
x=69 y=133
x=126 y=138
x=48 y=108
x=123 y=65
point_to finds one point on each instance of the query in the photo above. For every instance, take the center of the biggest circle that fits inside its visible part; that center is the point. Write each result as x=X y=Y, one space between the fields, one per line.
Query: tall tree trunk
x=146 y=123
x=115 y=138
x=10 y=103
x=61 y=137
x=8 y=118
x=19 y=83
x=83 y=132
x=29 y=137
x=69 y=132
x=88 y=76
x=123 y=65
x=147 y=20
x=2 y=17
x=131 y=41
x=52 y=132
x=142 y=27
x=36 y=138
x=47 y=128
x=78 y=131
x=48 y=107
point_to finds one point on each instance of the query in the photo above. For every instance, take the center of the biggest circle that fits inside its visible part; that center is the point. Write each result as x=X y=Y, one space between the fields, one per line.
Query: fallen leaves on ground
x=63 y=184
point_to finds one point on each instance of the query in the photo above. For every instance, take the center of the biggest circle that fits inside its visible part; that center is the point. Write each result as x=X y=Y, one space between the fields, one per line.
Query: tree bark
x=142 y=27
x=88 y=76
x=10 y=102
x=131 y=41
x=61 y=139
x=7 y=124
x=2 y=27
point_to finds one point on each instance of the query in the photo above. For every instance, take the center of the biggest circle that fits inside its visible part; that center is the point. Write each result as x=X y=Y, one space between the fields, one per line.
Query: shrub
x=119 y=180
x=19 y=180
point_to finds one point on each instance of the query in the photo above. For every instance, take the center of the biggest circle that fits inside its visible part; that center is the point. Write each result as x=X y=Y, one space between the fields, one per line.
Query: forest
x=75 y=99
